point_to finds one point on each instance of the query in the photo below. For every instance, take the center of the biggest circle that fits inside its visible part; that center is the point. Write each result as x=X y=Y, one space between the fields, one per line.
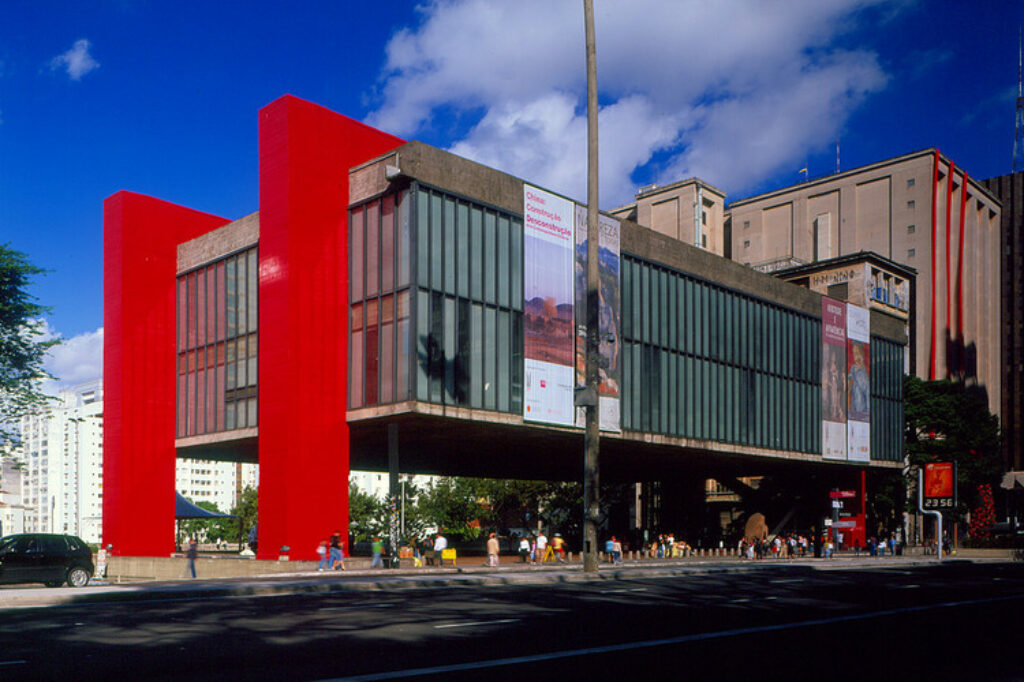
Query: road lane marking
x=476 y=623
x=683 y=639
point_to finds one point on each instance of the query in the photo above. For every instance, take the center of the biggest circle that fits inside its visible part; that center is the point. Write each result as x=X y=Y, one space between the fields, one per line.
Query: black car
x=45 y=558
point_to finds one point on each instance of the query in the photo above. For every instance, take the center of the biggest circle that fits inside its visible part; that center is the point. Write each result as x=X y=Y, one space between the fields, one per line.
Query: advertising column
x=609 y=369
x=548 y=307
x=833 y=379
x=858 y=424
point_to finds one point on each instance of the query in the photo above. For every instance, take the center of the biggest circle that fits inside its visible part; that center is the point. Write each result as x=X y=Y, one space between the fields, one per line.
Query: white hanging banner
x=548 y=313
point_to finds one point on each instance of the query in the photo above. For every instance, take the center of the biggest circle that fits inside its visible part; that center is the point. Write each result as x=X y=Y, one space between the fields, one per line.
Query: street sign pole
x=936 y=512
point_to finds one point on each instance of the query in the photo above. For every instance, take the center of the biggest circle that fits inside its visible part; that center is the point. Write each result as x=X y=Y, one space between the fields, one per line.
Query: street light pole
x=591 y=509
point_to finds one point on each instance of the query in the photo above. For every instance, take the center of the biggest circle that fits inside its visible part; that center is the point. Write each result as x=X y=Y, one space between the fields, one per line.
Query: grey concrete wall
x=234 y=236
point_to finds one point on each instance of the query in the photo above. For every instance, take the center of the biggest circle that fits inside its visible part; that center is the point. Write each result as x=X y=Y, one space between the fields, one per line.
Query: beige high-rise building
x=919 y=210
x=691 y=211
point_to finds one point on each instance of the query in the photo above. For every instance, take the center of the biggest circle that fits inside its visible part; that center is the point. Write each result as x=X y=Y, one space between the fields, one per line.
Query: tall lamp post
x=591 y=509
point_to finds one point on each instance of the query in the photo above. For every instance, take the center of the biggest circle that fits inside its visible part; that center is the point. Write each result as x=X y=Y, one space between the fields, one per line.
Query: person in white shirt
x=542 y=546
x=440 y=544
x=524 y=549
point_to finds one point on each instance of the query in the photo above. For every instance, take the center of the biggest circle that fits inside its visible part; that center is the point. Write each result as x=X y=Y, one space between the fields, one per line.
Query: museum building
x=394 y=304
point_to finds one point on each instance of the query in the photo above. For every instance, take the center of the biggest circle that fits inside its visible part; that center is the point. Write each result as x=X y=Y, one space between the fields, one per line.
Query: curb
x=304 y=582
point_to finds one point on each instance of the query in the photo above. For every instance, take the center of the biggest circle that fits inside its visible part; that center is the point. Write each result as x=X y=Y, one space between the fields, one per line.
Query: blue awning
x=183 y=509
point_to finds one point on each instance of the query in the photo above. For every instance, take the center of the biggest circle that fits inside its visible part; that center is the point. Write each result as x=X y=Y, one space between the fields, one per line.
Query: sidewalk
x=312 y=582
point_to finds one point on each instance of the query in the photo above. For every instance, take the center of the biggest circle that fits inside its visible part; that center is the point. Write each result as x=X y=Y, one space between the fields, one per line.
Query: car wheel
x=78 y=577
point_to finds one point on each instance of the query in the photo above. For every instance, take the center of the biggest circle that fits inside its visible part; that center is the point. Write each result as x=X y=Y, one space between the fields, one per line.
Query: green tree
x=22 y=343
x=367 y=515
x=453 y=505
x=244 y=515
x=203 y=529
x=948 y=421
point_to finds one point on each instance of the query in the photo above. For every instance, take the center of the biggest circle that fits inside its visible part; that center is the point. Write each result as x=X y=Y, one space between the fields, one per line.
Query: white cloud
x=77 y=61
x=77 y=360
x=731 y=90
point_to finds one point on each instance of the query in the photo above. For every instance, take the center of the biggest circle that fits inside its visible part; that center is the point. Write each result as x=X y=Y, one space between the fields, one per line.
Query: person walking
x=524 y=549
x=377 y=547
x=492 y=551
x=192 y=555
x=542 y=546
x=440 y=544
x=321 y=550
x=337 y=551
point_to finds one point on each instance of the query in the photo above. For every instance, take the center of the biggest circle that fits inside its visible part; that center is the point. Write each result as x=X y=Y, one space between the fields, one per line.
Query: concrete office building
x=62 y=487
x=918 y=210
x=1010 y=190
x=691 y=211
x=221 y=483
x=395 y=307
x=12 y=506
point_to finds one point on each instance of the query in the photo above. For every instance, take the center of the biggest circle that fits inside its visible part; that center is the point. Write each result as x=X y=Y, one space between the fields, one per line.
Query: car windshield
x=6 y=542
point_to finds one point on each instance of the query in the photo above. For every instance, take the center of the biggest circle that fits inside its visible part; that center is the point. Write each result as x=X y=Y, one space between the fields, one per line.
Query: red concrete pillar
x=140 y=239
x=306 y=152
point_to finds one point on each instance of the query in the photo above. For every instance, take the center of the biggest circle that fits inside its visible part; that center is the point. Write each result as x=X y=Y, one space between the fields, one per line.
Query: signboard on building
x=548 y=314
x=940 y=485
x=609 y=316
x=833 y=379
x=858 y=383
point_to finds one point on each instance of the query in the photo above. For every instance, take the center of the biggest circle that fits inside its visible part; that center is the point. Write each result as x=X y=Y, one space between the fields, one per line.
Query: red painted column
x=306 y=152
x=140 y=239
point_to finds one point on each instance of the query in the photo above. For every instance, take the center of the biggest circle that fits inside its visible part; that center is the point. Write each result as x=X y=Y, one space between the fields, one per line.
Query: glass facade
x=440 y=276
x=701 y=361
x=886 y=400
x=217 y=345
x=379 y=312
x=436 y=316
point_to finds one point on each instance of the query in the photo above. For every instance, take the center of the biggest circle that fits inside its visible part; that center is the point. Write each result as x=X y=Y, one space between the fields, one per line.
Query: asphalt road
x=960 y=620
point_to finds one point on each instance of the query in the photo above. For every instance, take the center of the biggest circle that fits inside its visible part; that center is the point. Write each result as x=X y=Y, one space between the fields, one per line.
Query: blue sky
x=161 y=98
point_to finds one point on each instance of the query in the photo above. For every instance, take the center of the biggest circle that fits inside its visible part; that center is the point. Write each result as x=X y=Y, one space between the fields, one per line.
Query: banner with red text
x=548 y=313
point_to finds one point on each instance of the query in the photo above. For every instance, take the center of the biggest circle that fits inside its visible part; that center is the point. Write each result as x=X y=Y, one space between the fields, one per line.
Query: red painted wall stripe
x=935 y=208
x=960 y=264
x=949 y=254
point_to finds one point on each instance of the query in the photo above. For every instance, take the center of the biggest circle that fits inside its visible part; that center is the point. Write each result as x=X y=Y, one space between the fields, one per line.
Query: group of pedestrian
x=536 y=549
x=613 y=549
x=665 y=546
x=332 y=553
x=787 y=546
x=878 y=546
